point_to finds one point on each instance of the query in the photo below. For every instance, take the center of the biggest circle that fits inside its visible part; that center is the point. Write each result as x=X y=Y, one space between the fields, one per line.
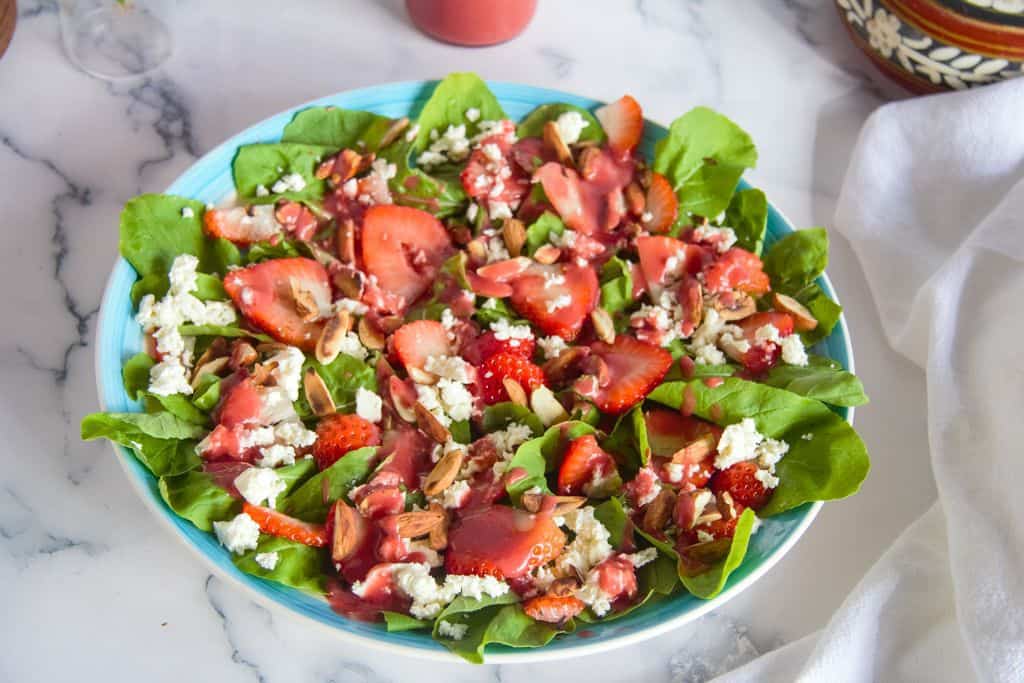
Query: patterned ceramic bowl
x=933 y=45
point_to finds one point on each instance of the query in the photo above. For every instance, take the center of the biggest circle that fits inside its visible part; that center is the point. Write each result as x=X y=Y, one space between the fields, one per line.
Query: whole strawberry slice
x=632 y=369
x=623 y=121
x=556 y=298
x=665 y=260
x=741 y=481
x=503 y=542
x=737 y=269
x=587 y=469
x=553 y=609
x=265 y=293
x=403 y=248
x=297 y=219
x=337 y=435
x=488 y=344
x=278 y=524
x=493 y=372
x=419 y=340
x=242 y=225
x=662 y=204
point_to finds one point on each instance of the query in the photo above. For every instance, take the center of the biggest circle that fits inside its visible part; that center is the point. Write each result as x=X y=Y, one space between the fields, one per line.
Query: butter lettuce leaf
x=337 y=128
x=299 y=566
x=162 y=442
x=263 y=164
x=195 y=496
x=491 y=620
x=307 y=502
x=447 y=106
x=822 y=379
x=747 y=215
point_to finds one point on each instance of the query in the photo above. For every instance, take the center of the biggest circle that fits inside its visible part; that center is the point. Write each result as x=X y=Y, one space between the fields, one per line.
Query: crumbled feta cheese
x=292 y=182
x=449 y=367
x=646 y=217
x=570 y=125
x=553 y=279
x=350 y=305
x=590 y=546
x=496 y=250
x=704 y=537
x=768 y=479
x=447 y=629
x=793 y=351
x=475 y=587
x=675 y=472
x=593 y=595
x=287 y=372
x=169 y=377
x=767 y=333
x=262 y=191
x=384 y=169
x=566 y=240
x=490 y=305
x=350 y=188
x=276 y=454
x=187 y=212
x=240 y=534
x=472 y=114
x=713 y=330
x=258 y=484
x=447 y=400
x=471 y=212
x=368 y=405
x=267 y=560
x=559 y=302
x=452 y=145
x=642 y=557
x=738 y=442
x=513 y=334
x=499 y=210
x=492 y=152
x=808 y=436
x=507 y=440
x=428 y=597
x=455 y=496
x=721 y=238
x=351 y=346
x=552 y=347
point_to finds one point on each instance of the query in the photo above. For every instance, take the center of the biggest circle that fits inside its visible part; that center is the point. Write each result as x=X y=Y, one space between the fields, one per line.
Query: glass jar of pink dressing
x=471 y=22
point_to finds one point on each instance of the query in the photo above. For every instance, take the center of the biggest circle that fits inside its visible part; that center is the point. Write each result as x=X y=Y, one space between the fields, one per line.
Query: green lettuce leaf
x=499 y=311
x=194 y=496
x=264 y=164
x=822 y=379
x=337 y=128
x=299 y=566
x=822 y=307
x=207 y=394
x=540 y=231
x=396 y=621
x=208 y=287
x=222 y=331
x=830 y=464
x=447 y=106
x=533 y=125
x=628 y=442
x=136 y=374
x=747 y=215
x=263 y=251
x=491 y=620
x=162 y=442
x=612 y=515
x=708 y=584
x=153 y=232
x=704 y=156
x=500 y=415
x=343 y=377
x=616 y=286
x=797 y=259
x=178 y=405
x=443 y=197
x=307 y=501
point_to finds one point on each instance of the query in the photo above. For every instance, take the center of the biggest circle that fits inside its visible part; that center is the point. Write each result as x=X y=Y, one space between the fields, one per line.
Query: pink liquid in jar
x=471 y=22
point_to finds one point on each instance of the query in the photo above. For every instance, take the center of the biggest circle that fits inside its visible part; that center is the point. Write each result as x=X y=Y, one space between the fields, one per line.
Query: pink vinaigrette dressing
x=471 y=22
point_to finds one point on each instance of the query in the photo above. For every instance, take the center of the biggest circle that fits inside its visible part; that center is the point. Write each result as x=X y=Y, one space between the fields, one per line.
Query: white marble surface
x=92 y=587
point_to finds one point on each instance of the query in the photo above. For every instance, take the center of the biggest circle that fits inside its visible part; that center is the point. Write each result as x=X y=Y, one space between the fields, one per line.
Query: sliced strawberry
x=585 y=468
x=242 y=225
x=419 y=340
x=490 y=173
x=553 y=609
x=632 y=369
x=662 y=204
x=497 y=368
x=763 y=354
x=741 y=481
x=241 y=401
x=503 y=542
x=665 y=260
x=617 y=578
x=403 y=248
x=556 y=298
x=263 y=292
x=589 y=201
x=278 y=524
x=337 y=435
x=668 y=432
x=529 y=154
x=297 y=219
x=407 y=453
x=737 y=269
x=643 y=488
x=486 y=345
x=623 y=122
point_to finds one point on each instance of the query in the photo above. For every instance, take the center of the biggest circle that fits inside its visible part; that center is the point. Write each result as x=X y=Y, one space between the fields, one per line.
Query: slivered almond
x=271 y=347
x=417 y=523
x=209 y=368
x=695 y=451
x=636 y=201
x=553 y=138
x=305 y=303
x=604 y=327
x=516 y=393
x=547 y=407
x=262 y=374
x=735 y=309
x=430 y=425
x=438 y=538
x=317 y=394
x=477 y=251
x=349 y=282
x=513 y=232
x=726 y=505
x=404 y=410
x=564 y=586
x=370 y=336
x=242 y=354
x=394 y=130
x=566 y=504
x=218 y=347
x=659 y=511
x=707 y=518
x=585 y=161
x=547 y=254
x=346 y=531
x=531 y=502
x=421 y=376
x=328 y=346
x=557 y=369
x=803 y=319
x=346 y=241
x=444 y=472
x=323 y=257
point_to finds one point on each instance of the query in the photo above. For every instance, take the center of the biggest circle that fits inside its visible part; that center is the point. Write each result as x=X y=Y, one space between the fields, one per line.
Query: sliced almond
x=564 y=587
x=217 y=348
x=421 y=376
x=516 y=393
x=242 y=354
x=347 y=523
x=726 y=505
x=547 y=254
x=262 y=374
x=707 y=518
x=604 y=326
x=558 y=369
x=444 y=473
x=305 y=303
x=417 y=523
x=477 y=251
x=547 y=407
x=438 y=537
x=695 y=451
x=346 y=241
x=209 y=368
x=370 y=336
x=803 y=319
x=394 y=130
x=636 y=201
x=737 y=307
x=586 y=161
x=566 y=504
x=553 y=138
x=430 y=425
x=531 y=502
x=270 y=348
x=513 y=232
x=659 y=511
x=317 y=394
x=349 y=282
x=328 y=346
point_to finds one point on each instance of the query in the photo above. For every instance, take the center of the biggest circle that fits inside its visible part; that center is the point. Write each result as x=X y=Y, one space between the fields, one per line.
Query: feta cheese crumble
x=793 y=351
x=292 y=182
x=552 y=347
x=258 y=484
x=428 y=597
x=741 y=442
x=721 y=238
x=558 y=303
x=472 y=114
x=513 y=334
x=238 y=535
x=267 y=560
x=447 y=629
x=590 y=546
x=187 y=212
x=368 y=405
x=570 y=126
x=452 y=145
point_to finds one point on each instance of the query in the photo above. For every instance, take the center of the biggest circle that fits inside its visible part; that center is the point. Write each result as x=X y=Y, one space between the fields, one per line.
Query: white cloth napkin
x=933 y=204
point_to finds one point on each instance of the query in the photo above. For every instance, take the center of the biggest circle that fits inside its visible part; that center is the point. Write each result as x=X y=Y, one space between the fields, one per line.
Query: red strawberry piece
x=419 y=340
x=406 y=454
x=278 y=524
x=242 y=225
x=403 y=248
x=562 y=188
x=241 y=401
x=556 y=298
x=737 y=269
x=351 y=606
x=503 y=542
x=668 y=432
x=491 y=289
x=263 y=292
x=690 y=476
x=529 y=154
x=662 y=204
x=645 y=486
x=379 y=589
x=623 y=122
x=381 y=497
x=490 y=173
x=741 y=481
x=586 y=466
x=553 y=609
x=617 y=578
x=639 y=283
x=633 y=369
x=487 y=345
x=722 y=528
x=665 y=260
x=762 y=354
x=493 y=371
x=297 y=219
x=589 y=201
x=337 y=435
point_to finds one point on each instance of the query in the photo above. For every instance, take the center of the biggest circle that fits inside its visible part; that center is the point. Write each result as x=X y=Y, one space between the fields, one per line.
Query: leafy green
x=830 y=464
x=797 y=259
x=822 y=378
x=264 y=164
x=500 y=415
x=612 y=515
x=136 y=374
x=162 y=442
x=207 y=394
x=498 y=311
x=396 y=621
x=541 y=454
x=208 y=287
x=444 y=197
x=296 y=474
x=154 y=232
x=461 y=431
x=179 y=406
x=196 y=497
x=533 y=125
x=299 y=566
x=655 y=581
x=264 y=251
x=540 y=231
x=337 y=128
x=307 y=501
x=343 y=377
x=616 y=285
x=708 y=584
x=704 y=156
x=222 y=331
x=822 y=307
x=747 y=215
x=628 y=442
x=447 y=106
x=491 y=620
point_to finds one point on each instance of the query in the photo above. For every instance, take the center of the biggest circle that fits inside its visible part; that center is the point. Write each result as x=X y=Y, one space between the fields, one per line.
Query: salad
x=488 y=379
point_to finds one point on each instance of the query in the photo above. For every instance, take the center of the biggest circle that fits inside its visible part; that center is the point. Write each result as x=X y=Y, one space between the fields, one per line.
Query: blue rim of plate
x=119 y=337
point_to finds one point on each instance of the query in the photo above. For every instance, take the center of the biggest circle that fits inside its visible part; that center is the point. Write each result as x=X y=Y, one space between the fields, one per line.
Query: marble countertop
x=92 y=587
